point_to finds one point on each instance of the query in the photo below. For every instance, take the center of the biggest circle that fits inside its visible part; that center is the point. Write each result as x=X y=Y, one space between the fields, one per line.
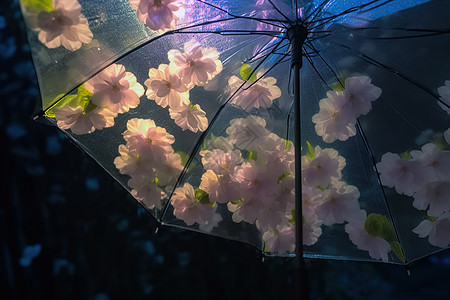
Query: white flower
x=338 y=204
x=335 y=120
x=254 y=94
x=64 y=26
x=166 y=88
x=360 y=93
x=436 y=229
x=80 y=121
x=115 y=89
x=190 y=117
x=246 y=133
x=325 y=167
x=404 y=175
x=436 y=194
x=187 y=208
x=378 y=247
x=444 y=92
x=196 y=65
x=280 y=240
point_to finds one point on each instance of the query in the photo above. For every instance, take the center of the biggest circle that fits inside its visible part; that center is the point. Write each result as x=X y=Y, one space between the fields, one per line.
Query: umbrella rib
x=377 y=63
x=235 y=32
x=167 y=33
x=315 y=12
x=205 y=133
x=267 y=21
x=347 y=11
x=280 y=12
x=368 y=149
x=362 y=134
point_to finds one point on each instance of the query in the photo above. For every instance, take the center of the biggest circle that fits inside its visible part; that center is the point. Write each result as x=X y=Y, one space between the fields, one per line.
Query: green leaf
x=287 y=144
x=247 y=73
x=37 y=5
x=379 y=225
x=397 y=249
x=156 y=180
x=337 y=85
x=406 y=155
x=213 y=137
x=238 y=201
x=84 y=96
x=282 y=177
x=202 y=196
x=431 y=218
x=184 y=157
x=311 y=152
x=292 y=220
x=253 y=155
x=88 y=107
x=63 y=102
x=440 y=142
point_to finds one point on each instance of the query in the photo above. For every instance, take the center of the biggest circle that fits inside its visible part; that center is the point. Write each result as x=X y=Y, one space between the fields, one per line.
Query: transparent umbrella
x=205 y=111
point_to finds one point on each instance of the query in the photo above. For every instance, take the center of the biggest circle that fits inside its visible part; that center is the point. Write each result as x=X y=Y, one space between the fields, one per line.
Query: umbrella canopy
x=189 y=105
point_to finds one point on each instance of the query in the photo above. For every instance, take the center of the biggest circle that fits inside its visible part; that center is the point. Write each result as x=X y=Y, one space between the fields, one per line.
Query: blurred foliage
x=68 y=231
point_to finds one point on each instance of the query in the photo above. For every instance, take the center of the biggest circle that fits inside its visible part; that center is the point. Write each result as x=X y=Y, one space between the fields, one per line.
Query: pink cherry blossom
x=248 y=209
x=168 y=169
x=130 y=163
x=335 y=120
x=360 y=93
x=271 y=215
x=280 y=240
x=146 y=191
x=259 y=94
x=187 y=208
x=405 y=175
x=277 y=153
x=80 y=121
x=436 y=162
x=311 y=228
x=377 y=247
x=220 y=188
x=246 y=133
x=255 y=180
x=64 y=26
x=115 y=89
x=148 y=140
x=338 y=204
x=196 y=65
x=444 y=92
x=166 y=88
x=159 y=15
x=325 y=167
x=437 y=229
x=190 y=117
x=436 y=194
x=222 y=163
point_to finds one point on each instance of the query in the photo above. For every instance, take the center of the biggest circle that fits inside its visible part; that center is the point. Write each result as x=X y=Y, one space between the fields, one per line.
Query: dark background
x=68 y=231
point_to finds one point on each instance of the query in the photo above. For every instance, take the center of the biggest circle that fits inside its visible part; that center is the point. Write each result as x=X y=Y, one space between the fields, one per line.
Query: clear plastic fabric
x=188 y=104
